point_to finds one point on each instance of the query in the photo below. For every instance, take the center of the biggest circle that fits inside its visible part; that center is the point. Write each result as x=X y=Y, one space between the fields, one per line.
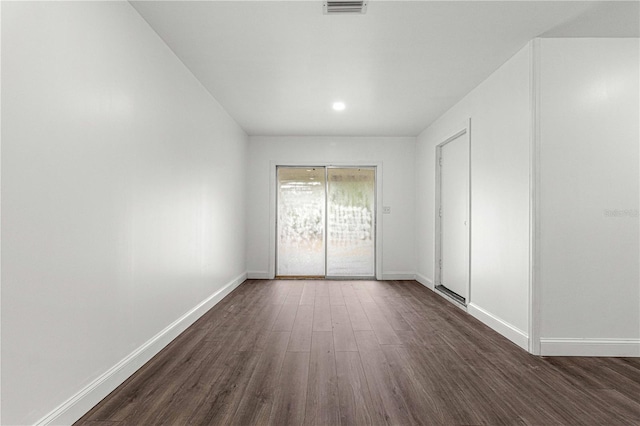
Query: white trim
x=427 y=282
x=75 y=407
x=396 y=275
x=509 y=331
x=589 y=347
x=469 y=211
x=259 y=275
x=1 y=399
x=273 y=214
x=534 y=198
x=379 y=217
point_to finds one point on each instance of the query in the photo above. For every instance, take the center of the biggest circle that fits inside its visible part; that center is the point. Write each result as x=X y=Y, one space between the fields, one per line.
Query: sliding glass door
x=326 y=222
x=301 y=221
x=350 y=222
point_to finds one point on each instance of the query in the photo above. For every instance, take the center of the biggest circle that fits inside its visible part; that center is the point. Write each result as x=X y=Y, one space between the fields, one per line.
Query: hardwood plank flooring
x=322 y=392
x=357 y=316
x=300 y=340
x=356 y=405
x=291 y=393
x=278 y=352
x=343 y=337
x=308 y=293
x=259 y=395
x=322 y=314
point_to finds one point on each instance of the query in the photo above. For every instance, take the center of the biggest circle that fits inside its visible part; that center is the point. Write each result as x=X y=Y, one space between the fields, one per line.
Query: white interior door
x=454 y=221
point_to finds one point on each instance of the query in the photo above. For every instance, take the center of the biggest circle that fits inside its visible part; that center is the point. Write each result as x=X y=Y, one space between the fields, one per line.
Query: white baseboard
x=263 y=275
x=258 y=275
x=398 y=276
x=589 y=347
x=75 y=407
x=509 y=331
x=427 y=282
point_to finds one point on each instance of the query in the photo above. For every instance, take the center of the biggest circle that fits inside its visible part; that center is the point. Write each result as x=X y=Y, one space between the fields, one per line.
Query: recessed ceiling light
x=338 y=106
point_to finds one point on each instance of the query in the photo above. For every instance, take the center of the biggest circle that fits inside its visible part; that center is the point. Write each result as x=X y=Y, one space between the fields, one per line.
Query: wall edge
x=427 y=282
x=506 y=329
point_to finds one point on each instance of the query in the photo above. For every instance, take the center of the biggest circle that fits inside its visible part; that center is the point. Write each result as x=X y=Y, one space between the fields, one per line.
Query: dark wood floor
x=358 y=353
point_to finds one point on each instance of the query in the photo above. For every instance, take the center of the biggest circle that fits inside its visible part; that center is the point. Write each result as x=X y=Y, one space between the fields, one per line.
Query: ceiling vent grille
x=334 y=7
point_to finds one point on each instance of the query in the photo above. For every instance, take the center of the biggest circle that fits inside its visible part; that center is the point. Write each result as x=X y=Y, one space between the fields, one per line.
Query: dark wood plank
x=322 y=407
x=383 y=388
x=225 y=394
x=322 y=288
x=395 y=319
x=423 y=404
x=294 y=296
x=356 y=405
x=362 y=294
x=179 y=402
x=348 y=293
x=278 y=292
x=384 y=332
x=322 y=314
x=255 y=339
x=511 y=396
x=563 y=400
x=291 y=392
x=335 y=293
x=308 y=296
x=433 y=366
x=286 y=317
x=423 y=332
x=343 y=337
x=259 y=396
x=479 y=399
x=300 y=340
x=358 y=318
x=366 y=341
x=625 y=406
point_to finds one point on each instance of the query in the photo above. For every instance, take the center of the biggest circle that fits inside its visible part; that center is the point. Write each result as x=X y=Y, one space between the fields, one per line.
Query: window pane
x=301 y=204
x=351 y=222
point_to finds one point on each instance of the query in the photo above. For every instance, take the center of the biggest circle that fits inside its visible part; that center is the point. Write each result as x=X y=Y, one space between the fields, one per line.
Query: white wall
x=123 y=188
x=397 y=158
x=589 y=151
x=499 y=109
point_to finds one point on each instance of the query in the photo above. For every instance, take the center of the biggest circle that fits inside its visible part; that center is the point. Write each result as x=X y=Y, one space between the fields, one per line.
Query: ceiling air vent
x=334 y=7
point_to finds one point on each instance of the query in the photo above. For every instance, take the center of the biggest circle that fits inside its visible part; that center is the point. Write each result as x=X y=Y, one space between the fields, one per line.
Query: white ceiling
x=277 y=67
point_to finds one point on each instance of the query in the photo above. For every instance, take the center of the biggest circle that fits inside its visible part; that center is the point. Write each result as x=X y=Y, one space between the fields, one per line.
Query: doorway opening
x=326 y=222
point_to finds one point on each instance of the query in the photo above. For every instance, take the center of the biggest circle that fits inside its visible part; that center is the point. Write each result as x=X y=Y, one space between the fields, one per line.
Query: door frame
x=273 y=206
x=437 y=282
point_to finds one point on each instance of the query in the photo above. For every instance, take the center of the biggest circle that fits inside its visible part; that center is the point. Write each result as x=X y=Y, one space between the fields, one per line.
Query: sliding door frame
x=375 y=223
x=324 y=227
x=273 y=206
